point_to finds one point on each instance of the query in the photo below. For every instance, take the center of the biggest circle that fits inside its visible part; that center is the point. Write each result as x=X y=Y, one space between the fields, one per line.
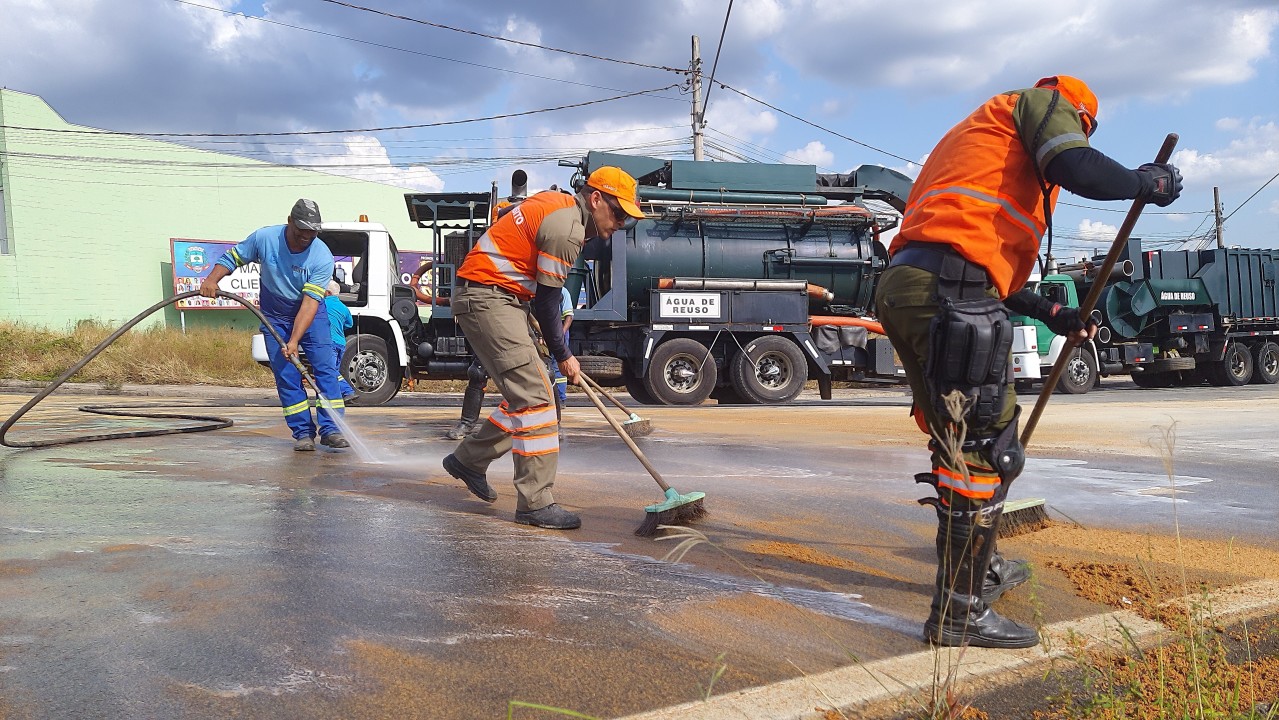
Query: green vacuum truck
x=744 y=281
x=1168 y=318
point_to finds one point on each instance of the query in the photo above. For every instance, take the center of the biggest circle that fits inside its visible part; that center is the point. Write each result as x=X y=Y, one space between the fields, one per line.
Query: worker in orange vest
x=969 y=239
x=525 y=256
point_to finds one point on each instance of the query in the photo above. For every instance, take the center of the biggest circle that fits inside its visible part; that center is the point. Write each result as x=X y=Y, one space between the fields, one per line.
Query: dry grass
x=155 y=356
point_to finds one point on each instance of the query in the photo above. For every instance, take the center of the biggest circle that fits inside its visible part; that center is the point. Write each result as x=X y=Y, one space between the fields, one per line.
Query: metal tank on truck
x=744 y=280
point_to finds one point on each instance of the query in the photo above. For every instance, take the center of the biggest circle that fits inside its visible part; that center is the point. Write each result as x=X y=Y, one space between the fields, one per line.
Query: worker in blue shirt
x=339 y=320
x=296 y=271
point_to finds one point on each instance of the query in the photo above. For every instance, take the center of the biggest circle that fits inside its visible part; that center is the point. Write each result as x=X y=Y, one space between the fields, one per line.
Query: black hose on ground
x=212 y=423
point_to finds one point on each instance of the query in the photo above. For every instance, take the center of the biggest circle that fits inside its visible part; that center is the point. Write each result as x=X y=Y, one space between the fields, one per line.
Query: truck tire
x=368 y=366
x=769 y=370
x=1234 y=369
x=1080 y=373
x=1149 y=379
x=603 y=369
x=1265 y=363
x=682 y=372
x=638 y=391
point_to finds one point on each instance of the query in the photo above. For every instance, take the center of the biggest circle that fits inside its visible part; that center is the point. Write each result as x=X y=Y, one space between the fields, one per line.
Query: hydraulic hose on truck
x=211 y=422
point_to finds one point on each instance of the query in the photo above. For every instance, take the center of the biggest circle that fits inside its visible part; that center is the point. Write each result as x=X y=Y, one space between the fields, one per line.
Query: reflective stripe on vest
x=1033 y=228
x=504 y=266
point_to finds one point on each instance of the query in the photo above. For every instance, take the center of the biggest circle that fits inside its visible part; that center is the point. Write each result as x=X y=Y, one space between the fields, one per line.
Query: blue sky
x=894 y=76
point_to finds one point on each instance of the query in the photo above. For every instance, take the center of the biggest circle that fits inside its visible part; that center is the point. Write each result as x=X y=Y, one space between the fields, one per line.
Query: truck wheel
x=1079 y=375
x=1235 y=368
x=1265 y=363
x=682 y=372
x=367 y=365
x=603 y=369
x=1149 y=379
x=769 y=370
x=638 y=390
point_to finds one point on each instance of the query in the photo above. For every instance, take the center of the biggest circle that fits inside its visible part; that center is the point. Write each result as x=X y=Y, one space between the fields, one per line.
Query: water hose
x=212 y=423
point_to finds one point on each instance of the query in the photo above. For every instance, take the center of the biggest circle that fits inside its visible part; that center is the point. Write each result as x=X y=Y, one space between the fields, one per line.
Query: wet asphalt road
x=219 y=573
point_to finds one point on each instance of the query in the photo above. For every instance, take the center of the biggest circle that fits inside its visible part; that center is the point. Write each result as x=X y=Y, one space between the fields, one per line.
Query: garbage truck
x=744 y=281
x=1167 y=318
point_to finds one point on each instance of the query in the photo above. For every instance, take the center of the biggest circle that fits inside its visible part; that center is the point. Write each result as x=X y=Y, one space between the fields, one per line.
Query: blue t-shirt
x=566 y=307
x=286 y=276
x=339 y=319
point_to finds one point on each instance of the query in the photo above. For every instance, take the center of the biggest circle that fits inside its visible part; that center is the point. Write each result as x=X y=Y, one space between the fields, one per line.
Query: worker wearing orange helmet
x=968 y=242
x=524 y=257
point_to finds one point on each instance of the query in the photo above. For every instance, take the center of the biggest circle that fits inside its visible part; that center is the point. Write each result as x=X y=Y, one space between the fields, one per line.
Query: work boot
x=304 y=444
x=1003 y=575
x=476 y=482
x=462 y=429
x=552 y=516
x=335 y=441
x=959 y=615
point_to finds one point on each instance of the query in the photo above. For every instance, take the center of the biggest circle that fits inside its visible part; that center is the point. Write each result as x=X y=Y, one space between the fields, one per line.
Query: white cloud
x=814 y=153
x=365 y=158
x=1248 y=160
x=1097 y=231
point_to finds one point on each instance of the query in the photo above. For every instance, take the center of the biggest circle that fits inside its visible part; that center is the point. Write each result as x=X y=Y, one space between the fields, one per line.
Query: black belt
x=957 y=277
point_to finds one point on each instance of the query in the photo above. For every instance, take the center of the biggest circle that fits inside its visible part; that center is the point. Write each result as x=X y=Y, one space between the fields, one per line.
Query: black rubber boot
x=472 y=400
x=958 y=615
x=1003 y=575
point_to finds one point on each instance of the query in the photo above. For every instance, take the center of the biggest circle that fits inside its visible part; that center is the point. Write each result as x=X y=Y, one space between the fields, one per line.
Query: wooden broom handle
x=1086 y=307
x=586 y=387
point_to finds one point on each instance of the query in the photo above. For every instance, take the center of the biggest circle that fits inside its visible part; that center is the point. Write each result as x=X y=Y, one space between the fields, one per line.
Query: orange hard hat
x=1080 y=96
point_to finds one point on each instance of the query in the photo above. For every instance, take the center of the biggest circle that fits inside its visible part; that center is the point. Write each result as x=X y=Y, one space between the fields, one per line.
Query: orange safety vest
x=506 y=255
x=979 y=192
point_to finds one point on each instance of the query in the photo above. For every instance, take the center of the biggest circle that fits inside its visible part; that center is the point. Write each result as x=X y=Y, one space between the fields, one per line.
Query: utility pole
x=696 y=66
x=1216 y=208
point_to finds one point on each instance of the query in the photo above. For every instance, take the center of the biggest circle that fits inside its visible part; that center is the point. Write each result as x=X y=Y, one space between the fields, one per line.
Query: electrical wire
x=1245 y=202
x=711 y=84
x=404 y=50
x=503 y=39
x=295 y=133
x=813 y=124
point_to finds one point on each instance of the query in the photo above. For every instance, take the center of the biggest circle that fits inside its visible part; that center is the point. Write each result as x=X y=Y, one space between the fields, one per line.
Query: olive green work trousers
x=496 y=326
x=905 y=304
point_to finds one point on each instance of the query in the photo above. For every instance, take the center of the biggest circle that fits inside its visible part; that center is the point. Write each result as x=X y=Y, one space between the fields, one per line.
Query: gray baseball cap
x=306 y=214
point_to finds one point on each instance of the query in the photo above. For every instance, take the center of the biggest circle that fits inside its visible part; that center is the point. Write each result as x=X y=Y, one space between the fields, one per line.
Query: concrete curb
x=859 y=686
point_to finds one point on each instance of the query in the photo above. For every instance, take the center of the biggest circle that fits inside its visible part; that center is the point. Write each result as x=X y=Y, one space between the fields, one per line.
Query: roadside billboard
x=192 y=262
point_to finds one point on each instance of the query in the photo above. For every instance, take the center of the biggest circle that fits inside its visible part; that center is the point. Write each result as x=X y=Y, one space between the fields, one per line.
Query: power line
x=348 y=131
x=810 y=122
x=1123 y=210
x=711 y=84
x=1245 y=202
x=400 y=49
x=503 y=39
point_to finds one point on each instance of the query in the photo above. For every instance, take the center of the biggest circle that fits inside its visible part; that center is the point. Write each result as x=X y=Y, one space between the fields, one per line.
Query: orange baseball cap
x=614 y=181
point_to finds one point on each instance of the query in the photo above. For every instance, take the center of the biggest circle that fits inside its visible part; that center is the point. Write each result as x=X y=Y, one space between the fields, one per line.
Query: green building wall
x=87 y=218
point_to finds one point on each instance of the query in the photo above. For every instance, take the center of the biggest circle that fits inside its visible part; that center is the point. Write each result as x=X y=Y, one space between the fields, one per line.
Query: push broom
x=633 y=425
x=676 y=509
x=1030 y=514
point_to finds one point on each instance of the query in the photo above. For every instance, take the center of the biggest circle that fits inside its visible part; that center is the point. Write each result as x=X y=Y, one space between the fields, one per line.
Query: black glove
x=1064 y=320
x=1060 y=319
x=1160 y=183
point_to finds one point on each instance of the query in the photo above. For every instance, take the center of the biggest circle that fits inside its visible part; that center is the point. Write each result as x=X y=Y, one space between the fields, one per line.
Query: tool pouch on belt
x=969 y=345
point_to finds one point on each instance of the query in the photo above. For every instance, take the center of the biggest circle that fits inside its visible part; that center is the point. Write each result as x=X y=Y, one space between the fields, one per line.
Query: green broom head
x=674 y=500
x=675 y=510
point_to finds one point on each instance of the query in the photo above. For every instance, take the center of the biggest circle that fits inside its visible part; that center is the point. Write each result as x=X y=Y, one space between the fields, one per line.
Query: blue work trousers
x=318 y=347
